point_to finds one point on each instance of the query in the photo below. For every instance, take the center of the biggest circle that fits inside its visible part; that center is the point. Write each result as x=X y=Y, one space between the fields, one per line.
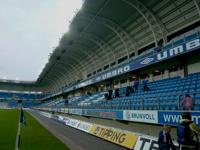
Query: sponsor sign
x=72 y=123
x=148 y=143
x=110 y=114
x=84 y=126
x=141 y=116
x=180 y=49
x=119 y=137
x=68 y=121
x=60 y=118
x=136 y=64
x=109 y=74
x=174 y=118
x=63 y=119
x=147 y=61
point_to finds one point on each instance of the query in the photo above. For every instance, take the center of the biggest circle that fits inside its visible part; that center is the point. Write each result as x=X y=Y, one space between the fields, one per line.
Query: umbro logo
x=147 y=61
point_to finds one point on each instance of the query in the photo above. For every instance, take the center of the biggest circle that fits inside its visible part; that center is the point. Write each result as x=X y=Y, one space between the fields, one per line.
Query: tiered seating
x=77 y=102
x=91 y=101
x=21 y=96
x=163 y=95
x=53 y=103
x=5 y=95
x=186 y=37
x=12 y=104
x=73 y=102
x=28 y=104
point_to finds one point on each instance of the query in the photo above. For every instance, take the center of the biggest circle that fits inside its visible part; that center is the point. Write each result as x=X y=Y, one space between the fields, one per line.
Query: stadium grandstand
x=147 y=51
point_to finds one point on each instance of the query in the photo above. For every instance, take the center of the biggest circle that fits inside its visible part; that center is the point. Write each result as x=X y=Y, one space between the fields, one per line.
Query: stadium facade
x=110 y=44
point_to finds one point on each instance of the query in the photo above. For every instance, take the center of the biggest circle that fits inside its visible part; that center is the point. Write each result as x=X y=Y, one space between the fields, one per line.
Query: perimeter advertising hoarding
x=174 y=118
x=148 y=143
x=141 y=116
x=84 y=126
x=119 y=137
x=105 y=113
x=81 y=125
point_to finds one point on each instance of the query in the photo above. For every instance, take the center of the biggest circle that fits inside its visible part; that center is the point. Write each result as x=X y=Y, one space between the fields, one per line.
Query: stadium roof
x=105 y=31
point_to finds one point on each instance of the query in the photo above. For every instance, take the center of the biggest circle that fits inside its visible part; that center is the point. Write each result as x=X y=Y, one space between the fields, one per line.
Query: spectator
x=128 y=90
x=144 y=84
x=116 y=92
x=66 y=102
x=164 y=139
x=159 y=47
x=110 y=92
x=187 y=102
x=135 y=85
x=106 y=95
x=89 y=94
x=188 y=133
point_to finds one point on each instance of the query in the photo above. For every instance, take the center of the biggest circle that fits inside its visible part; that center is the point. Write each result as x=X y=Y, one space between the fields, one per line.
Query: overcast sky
x=29 y=29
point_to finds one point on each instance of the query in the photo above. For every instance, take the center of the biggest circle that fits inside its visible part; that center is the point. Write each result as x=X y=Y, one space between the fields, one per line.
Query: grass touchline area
x=8 y=128
x=35 y=137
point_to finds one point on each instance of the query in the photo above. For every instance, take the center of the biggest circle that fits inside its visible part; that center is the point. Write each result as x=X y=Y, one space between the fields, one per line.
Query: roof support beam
x=111 y=26
x=69 y=77
x=61 y=71
x=197 y=6
x=156 y=26
x=70 y=57
x=77 y=48
x=54 y=84
x=96 y=42
x=76 y=60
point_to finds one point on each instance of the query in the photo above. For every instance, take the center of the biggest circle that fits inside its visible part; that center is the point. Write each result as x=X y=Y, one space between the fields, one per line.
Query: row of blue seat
x=164 y=94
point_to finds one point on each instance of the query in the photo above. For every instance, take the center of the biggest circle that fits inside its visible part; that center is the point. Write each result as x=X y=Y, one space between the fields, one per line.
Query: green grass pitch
x=8 y=128
x=35 y=137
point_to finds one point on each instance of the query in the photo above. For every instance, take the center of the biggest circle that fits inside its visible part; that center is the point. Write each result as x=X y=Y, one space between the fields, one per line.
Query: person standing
x=116 y=93
x=135 y=85
x=188 y=133
x=164 y=139
x=110 y=92
x=145 y=86
x=128 y=90
x=187 y=102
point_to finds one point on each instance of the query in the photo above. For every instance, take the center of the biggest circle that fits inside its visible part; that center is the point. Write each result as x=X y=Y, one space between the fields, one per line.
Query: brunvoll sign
x=185 y=47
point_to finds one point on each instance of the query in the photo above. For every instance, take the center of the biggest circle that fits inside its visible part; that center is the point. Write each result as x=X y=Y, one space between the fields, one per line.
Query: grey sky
x=29 y=29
